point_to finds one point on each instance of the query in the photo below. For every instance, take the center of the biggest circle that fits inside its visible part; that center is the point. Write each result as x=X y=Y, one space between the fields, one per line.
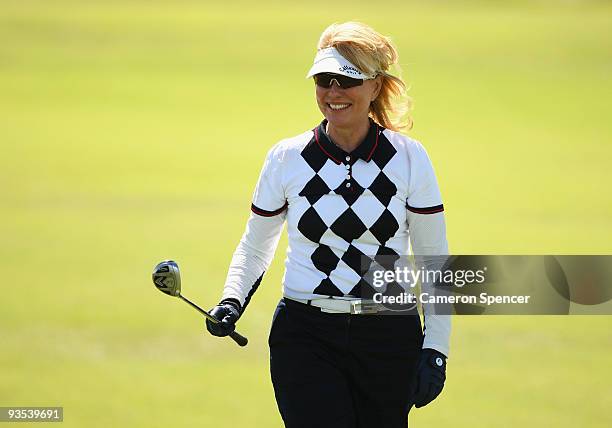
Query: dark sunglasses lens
x=349 y=82
x=325 y=80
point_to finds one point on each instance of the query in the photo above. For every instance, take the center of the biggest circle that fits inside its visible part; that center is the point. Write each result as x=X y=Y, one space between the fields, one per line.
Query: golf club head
x=167 y=278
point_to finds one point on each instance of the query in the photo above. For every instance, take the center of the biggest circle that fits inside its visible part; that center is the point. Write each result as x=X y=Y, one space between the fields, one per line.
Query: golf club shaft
x=237 y=337
x=199 y=309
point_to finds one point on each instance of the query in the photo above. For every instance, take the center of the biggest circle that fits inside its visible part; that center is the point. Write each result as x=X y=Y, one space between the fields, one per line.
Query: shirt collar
x=364 y=150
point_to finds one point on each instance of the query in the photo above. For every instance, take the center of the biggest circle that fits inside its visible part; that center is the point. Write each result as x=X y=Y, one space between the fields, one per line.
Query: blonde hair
x=373 y=54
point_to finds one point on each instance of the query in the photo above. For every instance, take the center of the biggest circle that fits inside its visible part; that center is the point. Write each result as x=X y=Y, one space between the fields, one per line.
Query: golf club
x=167 y=279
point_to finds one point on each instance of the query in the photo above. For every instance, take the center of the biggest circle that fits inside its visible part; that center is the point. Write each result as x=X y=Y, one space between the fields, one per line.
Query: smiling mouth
x=337 y=107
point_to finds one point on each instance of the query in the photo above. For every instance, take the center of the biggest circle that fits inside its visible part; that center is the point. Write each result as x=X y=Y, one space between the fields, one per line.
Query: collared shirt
x=341 y=209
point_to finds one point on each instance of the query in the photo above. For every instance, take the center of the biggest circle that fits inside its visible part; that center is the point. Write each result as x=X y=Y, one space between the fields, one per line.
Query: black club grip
x=238 y=338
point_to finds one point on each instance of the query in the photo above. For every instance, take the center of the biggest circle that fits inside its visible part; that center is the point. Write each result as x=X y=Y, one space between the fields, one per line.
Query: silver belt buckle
x=364 y=307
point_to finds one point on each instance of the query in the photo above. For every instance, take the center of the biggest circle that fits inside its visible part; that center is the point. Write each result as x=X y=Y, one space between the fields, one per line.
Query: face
x=345 y=108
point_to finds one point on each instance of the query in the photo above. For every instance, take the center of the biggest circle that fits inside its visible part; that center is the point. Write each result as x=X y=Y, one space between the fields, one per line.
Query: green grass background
x=134 y=131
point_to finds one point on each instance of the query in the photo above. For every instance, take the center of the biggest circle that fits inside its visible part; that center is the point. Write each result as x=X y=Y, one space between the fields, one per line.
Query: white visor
x=329 y=60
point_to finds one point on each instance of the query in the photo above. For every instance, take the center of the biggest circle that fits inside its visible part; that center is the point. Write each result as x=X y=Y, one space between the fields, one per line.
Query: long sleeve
x=256 y=249
x=252 y=257
x=428 y=241
x=427 y=230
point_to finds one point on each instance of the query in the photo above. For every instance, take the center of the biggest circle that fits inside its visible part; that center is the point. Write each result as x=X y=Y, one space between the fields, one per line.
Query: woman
x=348 y=190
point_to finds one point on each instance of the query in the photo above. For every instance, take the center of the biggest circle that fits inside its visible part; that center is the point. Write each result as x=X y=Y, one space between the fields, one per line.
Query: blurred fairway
x=135 y=131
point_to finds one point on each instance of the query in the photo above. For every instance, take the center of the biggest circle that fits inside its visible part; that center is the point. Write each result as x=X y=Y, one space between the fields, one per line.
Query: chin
x=340 y=122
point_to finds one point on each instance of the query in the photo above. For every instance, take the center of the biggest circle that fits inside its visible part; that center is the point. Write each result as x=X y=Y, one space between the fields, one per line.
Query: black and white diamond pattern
x=312 y=155
x=348 y=226
x=370 y=209
x=363 y=289
x=384 y=153
x=349 y=193
x=314 y=189
x=311 y=225
x=324 y=259
x=356 y=260
x=349 y=215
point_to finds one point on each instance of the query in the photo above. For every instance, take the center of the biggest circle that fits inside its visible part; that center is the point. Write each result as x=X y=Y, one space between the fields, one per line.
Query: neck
x=348 y=138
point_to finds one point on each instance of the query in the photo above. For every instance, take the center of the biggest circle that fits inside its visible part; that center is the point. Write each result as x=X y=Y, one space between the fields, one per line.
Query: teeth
x=338 y=106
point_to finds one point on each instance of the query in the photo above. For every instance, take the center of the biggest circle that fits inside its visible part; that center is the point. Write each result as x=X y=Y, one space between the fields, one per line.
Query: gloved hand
x=228 y=312
x=430 y=377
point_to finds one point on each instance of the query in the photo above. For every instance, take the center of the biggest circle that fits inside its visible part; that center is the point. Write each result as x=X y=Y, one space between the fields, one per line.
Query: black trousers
x=342 y=370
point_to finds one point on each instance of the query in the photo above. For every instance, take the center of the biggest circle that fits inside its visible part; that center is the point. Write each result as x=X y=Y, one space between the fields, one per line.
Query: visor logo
x=350 y=70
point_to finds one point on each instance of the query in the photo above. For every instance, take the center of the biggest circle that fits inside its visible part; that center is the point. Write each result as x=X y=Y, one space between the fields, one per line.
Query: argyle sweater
x=341 y=209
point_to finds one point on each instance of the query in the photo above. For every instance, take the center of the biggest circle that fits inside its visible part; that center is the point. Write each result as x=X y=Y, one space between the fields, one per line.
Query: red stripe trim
x=427 y=210
x=324 y=151
x=375 y=145
x=265 y=213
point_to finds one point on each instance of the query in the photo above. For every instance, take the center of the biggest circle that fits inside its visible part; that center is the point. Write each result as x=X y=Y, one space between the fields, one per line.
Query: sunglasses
x=325 y=80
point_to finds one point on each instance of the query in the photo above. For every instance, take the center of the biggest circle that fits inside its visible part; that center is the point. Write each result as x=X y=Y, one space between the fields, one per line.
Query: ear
x=377 y=88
